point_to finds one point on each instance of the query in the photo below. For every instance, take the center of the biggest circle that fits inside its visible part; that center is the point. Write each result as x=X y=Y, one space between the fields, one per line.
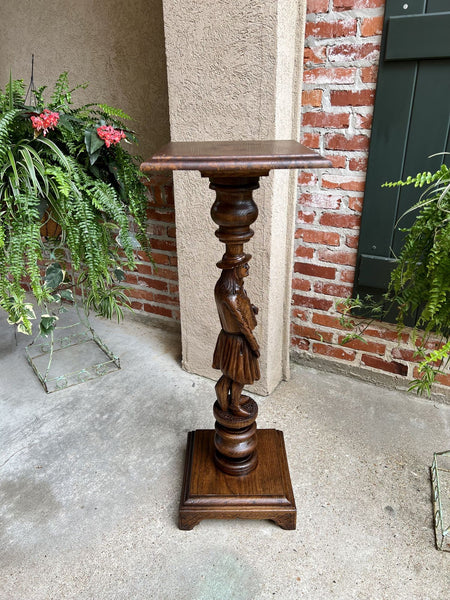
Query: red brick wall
x=154 y=288
x=340 y=68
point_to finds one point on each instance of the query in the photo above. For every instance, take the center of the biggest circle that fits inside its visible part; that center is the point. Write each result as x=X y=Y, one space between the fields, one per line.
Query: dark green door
x=411 y=122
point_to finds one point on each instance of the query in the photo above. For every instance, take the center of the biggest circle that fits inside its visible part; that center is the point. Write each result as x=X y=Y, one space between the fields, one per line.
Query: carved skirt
x=234 y=357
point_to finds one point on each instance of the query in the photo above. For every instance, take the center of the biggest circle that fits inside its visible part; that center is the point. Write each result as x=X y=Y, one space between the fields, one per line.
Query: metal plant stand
x=440 y=481
x=71 y=354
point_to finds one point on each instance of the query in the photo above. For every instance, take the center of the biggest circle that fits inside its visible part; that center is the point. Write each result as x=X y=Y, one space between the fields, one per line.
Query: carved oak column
x=237 y=350
x=235 y=470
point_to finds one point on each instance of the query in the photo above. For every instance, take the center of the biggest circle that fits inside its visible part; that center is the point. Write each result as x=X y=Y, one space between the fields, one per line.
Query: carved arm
x=244 y=328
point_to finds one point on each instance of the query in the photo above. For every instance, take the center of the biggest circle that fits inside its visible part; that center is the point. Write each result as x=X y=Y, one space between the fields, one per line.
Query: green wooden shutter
x=411 y=122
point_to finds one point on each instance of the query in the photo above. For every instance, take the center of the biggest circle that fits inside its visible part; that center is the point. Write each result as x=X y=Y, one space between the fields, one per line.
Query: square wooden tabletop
x=234 y=156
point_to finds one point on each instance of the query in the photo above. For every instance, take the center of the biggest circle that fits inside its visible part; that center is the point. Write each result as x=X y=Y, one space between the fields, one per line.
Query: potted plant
x=420 y=283
x=67 y=167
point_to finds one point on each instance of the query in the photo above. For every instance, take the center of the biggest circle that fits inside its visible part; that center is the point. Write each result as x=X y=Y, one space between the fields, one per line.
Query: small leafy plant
x=64 y=165
x=420 y=283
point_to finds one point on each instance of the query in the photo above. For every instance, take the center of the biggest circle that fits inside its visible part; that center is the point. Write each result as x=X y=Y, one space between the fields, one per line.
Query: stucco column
x=234 y=72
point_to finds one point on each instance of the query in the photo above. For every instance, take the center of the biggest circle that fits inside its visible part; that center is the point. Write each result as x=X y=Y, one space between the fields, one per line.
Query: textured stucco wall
x=233 y=73
x=118 y=47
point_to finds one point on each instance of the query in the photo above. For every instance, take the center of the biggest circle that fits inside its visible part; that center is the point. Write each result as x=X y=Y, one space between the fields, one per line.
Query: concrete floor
x=90 y=479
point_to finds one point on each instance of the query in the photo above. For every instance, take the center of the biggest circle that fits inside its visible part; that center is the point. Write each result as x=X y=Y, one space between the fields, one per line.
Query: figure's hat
x=229 y=262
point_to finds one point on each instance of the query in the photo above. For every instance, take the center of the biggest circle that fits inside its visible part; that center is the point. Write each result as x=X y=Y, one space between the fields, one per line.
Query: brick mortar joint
x=161 y=238
x=155 y=277
x=313 y=41
x=140 y=286
x=349 y=14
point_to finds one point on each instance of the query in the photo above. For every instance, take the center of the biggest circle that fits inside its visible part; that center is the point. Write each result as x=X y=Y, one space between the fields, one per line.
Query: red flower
x=110 y=135
x=45 y=121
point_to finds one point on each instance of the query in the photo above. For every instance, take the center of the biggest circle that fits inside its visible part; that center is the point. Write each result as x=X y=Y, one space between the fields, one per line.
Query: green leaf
x=47 y=324
x=54 y=276
x=29 y=311
x=12 y=162
x=66 y=294
x=22 y=328
x=25 y=153
x=61 y=156
x=92 y=141
x=94 y=156
x=119 y=274
x=66 y=121
x=19 y=312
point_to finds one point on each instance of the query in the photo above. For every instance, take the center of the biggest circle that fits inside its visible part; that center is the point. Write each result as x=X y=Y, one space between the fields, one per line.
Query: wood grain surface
x=265 y=493
x=234 y=156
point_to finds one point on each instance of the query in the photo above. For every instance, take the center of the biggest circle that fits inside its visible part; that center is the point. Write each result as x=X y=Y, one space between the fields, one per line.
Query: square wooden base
x=265 y=493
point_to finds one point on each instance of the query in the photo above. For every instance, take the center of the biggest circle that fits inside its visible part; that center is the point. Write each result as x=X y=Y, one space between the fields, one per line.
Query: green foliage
x=65 y=173
x=421 y=281
x=47 y=324
x=61 y=99
x=420 y=284
x=419 y=180
x=110 y=303
x=54 y=276
x=21 y=315
x=114 y=112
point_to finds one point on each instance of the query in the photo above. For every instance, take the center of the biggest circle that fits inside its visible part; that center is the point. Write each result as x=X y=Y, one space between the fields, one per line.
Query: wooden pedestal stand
x=235 y=471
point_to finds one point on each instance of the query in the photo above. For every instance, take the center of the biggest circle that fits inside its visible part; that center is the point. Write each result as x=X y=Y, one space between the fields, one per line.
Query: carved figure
x=237 y=350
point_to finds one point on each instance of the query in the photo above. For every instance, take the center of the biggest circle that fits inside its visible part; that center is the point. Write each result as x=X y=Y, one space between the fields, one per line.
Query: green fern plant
x=420 y=283
x=64 y=163
x=421 y=280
